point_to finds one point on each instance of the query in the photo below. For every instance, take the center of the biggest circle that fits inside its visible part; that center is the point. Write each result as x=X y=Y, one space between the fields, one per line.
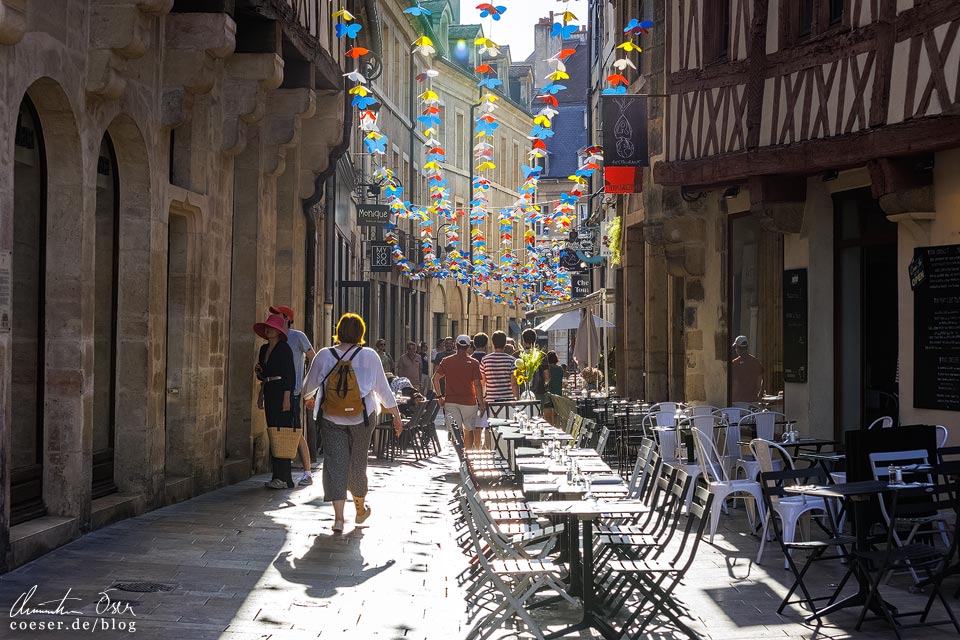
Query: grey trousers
x=345 y=450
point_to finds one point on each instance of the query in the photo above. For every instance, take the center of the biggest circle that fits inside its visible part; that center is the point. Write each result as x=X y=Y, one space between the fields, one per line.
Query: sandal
x=337 y=526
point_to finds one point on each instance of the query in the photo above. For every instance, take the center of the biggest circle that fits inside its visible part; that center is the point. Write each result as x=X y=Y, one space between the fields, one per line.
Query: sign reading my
x=373 y=215
x=380 y=257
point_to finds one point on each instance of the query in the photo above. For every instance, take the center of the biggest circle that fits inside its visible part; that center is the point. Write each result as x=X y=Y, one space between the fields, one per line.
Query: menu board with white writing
x=935 y=278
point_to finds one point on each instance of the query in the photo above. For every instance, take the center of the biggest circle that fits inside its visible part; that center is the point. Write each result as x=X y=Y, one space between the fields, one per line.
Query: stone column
x=631 y=316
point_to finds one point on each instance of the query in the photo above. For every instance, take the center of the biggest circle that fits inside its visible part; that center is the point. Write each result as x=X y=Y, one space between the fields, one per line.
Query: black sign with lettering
x=373 y=215
x=936 y=327
x=795 y=325
x=381 y=258
x=624 y=131
x=580 y=285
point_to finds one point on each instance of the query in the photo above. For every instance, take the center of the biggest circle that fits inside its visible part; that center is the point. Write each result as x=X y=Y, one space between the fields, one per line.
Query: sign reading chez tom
x=936 y=327
x=580 y=285
x=373 y=215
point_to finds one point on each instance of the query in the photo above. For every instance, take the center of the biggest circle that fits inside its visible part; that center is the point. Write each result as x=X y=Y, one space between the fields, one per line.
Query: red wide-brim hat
x=275 y=321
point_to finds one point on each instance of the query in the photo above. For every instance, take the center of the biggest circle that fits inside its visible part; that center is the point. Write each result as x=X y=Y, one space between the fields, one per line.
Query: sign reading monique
x=373 y=215
x=935 y=277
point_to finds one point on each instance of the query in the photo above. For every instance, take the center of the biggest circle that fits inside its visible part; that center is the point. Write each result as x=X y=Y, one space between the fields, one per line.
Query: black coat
x=279 y=364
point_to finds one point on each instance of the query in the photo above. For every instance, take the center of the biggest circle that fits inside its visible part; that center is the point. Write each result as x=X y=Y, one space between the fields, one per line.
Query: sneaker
x=306 y=480
x=276 y=483
x=361 y=517
x=337 y=526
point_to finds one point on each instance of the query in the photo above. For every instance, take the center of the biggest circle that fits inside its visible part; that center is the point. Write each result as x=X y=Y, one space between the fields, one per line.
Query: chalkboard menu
x=795 y=325
x=935 y=278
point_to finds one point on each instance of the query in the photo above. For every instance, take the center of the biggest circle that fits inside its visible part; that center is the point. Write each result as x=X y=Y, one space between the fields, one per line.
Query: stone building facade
x=811 y=139
x=161 y=184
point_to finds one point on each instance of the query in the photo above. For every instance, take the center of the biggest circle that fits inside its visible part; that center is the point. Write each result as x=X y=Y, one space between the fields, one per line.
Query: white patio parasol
x=572 y=320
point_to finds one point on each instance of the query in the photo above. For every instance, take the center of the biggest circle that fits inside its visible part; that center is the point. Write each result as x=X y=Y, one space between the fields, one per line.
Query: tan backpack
x=341 y=392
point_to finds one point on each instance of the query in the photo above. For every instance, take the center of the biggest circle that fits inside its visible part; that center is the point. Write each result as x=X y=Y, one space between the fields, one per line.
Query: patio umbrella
x=570 y=320
x=587 y=350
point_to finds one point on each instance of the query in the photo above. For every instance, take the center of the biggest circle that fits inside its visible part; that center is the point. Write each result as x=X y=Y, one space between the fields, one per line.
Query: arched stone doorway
x=105 y=299
x=49 y=281
x=27 y=304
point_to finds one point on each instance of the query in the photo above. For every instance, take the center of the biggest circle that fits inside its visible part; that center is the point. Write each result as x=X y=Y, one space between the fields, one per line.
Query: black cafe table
x=858 y=494
x=582 y=568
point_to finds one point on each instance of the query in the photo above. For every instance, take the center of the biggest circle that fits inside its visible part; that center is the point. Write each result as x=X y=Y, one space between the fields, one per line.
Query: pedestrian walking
x=554 y=381
x=275 y=369
x=352 y=386
x=410 y=364
x=424 y=368
x=496 y=371
x=386 y=360
x=463 y=400
x=479 y=346
x=302 y=353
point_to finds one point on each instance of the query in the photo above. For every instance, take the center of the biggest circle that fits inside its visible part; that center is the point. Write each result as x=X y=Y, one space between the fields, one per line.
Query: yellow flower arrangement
x=527 y=365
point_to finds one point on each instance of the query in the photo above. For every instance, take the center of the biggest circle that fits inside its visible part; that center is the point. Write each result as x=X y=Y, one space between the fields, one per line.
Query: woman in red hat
x=278 y=376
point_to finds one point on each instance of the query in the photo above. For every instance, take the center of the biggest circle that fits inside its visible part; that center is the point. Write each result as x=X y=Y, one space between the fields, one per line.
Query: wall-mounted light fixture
x=830 y=175
x=691 y=196
x=731 y=192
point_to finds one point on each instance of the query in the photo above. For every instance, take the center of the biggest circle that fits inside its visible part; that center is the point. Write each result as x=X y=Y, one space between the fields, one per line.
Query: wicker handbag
x=284 y=442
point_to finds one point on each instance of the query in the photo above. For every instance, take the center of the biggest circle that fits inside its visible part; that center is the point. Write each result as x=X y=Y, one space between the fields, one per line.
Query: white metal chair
x=789 y=508
x=721 y=485
x=765 y=425
x=942 y=436
x=701 y=410
x=884 y=422
x=672 y=407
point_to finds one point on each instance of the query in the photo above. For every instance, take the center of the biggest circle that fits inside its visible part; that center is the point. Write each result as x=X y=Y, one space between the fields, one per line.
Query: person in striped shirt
x=496 y=370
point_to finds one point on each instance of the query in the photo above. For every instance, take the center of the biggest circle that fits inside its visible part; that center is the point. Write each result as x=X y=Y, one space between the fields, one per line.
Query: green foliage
x=615 y=240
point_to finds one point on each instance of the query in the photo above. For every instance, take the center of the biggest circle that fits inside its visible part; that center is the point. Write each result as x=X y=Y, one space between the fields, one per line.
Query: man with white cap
x=746 y=374
x=463 y=399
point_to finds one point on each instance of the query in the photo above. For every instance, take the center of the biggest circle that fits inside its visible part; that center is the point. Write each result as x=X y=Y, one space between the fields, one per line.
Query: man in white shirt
x=301 y=347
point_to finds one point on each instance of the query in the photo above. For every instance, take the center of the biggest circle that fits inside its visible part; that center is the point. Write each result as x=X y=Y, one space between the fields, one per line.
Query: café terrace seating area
x=634 y=520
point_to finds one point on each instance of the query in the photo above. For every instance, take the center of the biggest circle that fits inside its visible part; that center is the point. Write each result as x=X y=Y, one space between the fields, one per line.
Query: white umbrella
x=570 y=320
x=587 y=351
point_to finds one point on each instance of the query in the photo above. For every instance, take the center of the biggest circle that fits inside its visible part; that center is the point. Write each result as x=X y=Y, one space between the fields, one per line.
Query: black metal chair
x=772 y=483
x=907 y=504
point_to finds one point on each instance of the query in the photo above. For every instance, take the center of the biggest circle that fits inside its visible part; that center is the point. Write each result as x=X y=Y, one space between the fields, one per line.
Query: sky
x=515 y=28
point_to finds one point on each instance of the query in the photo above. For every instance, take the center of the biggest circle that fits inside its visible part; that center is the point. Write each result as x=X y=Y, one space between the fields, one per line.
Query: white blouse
x=374 y=388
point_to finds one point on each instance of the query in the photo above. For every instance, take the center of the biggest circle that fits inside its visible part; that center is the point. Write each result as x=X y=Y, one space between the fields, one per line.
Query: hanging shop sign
x=381 y=259
x=936 y=328
x=624 y=131
x=795 y=325
x=622 y=179
x=580 y=285
x=373 y=215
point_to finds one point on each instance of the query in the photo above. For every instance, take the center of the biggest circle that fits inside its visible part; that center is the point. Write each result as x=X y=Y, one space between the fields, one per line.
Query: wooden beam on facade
x=813 y=156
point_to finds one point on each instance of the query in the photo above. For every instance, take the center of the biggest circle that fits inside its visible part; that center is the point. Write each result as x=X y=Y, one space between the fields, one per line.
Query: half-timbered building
x=800 y=151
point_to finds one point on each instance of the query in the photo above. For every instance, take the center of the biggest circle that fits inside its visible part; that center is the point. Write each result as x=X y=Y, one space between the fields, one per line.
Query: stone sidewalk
x=245 y=563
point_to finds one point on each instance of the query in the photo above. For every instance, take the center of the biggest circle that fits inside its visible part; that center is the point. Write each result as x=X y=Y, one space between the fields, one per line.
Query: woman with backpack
x=351 y=387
